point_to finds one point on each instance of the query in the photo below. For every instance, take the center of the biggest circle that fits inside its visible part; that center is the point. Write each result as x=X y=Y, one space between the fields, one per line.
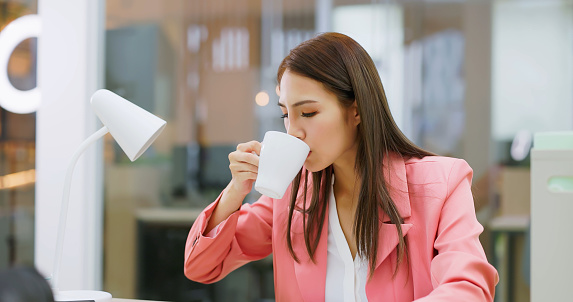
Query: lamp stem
x=65 y=200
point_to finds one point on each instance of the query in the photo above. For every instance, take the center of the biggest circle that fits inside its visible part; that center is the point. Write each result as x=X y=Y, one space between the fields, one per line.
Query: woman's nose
x=295 y=130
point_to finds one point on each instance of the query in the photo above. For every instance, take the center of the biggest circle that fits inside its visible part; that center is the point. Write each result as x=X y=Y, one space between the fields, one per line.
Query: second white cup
x=282 y=156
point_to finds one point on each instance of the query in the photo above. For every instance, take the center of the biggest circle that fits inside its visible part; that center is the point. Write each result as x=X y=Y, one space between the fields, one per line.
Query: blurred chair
x=24 y=284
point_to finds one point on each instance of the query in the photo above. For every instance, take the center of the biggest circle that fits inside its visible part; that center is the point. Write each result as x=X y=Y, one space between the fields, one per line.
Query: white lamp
x=134 y=129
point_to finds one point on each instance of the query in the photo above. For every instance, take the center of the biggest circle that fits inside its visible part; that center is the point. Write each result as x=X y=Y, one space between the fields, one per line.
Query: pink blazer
x=446 y=259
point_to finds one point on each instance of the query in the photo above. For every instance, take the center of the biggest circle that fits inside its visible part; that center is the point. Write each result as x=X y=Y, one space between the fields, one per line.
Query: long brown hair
x=346 y=69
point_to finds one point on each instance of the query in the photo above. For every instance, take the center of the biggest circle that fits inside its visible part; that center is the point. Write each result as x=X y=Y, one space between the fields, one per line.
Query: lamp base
x=82 y=296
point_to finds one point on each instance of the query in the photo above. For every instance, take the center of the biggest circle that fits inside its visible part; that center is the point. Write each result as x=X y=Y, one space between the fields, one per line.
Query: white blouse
x=345 y=278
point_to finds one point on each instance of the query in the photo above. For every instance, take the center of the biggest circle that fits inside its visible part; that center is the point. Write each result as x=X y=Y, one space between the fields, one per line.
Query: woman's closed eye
x=303 y=114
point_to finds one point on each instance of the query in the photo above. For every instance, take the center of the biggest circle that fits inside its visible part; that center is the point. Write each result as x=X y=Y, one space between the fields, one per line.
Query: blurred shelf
x=509 y=223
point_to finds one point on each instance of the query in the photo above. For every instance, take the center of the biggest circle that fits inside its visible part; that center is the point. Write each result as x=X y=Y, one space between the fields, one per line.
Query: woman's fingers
x=244 y=157
x=247 y=153
x=244 y=166
x=244 y=162
x=252 y=146
x=238 y=167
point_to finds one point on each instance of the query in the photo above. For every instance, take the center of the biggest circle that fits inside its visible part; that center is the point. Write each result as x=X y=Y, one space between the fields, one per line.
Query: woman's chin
x=312 y=168
x=309 y=170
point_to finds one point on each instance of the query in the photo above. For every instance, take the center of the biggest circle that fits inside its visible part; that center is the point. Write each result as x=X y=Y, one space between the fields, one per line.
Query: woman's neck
x=346 y=182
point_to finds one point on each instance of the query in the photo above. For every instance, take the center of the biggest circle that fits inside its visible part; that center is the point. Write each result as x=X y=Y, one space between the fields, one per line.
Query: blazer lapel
x=388 y=240
x=396 y=182
x=311 y=277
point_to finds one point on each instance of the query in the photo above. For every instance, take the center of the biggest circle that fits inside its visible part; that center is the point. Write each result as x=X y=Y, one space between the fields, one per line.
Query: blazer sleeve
x=244 y=236
x=460 y=271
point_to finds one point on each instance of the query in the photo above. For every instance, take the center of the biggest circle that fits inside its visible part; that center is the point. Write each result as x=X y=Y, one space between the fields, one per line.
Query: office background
x=467 y=79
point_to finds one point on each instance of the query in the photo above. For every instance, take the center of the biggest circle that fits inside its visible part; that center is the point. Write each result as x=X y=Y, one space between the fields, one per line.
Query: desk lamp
x=134 y=129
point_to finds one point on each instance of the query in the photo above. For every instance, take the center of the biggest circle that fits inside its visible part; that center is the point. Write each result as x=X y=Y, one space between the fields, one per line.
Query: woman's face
x=314 y=115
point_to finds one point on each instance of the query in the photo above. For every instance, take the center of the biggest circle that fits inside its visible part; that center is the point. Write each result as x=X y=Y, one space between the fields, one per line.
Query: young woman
x=370 y=217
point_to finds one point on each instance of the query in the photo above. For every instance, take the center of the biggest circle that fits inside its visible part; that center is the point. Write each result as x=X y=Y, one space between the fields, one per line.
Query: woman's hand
x=244 y=166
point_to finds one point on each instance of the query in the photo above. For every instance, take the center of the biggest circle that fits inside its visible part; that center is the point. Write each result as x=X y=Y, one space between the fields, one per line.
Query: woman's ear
x=355 y=113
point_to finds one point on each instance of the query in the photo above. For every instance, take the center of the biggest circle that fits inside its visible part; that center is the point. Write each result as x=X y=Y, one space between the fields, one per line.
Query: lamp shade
x=132 y=127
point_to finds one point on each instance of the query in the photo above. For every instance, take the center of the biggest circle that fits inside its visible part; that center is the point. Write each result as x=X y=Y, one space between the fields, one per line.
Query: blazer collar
x=395 y=175
x=311 y=277
x=396 y=182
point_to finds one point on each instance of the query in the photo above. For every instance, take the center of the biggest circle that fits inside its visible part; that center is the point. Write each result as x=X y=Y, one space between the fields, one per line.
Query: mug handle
x=13 y=99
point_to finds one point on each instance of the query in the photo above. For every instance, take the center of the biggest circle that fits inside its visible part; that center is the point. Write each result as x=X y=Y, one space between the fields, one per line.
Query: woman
x=370 y=217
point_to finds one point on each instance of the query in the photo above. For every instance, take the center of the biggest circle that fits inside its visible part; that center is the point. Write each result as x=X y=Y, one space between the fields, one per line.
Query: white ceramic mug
x=282 y=156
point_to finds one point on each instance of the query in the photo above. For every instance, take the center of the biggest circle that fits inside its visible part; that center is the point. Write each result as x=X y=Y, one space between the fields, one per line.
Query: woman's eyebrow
x=297 y=103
